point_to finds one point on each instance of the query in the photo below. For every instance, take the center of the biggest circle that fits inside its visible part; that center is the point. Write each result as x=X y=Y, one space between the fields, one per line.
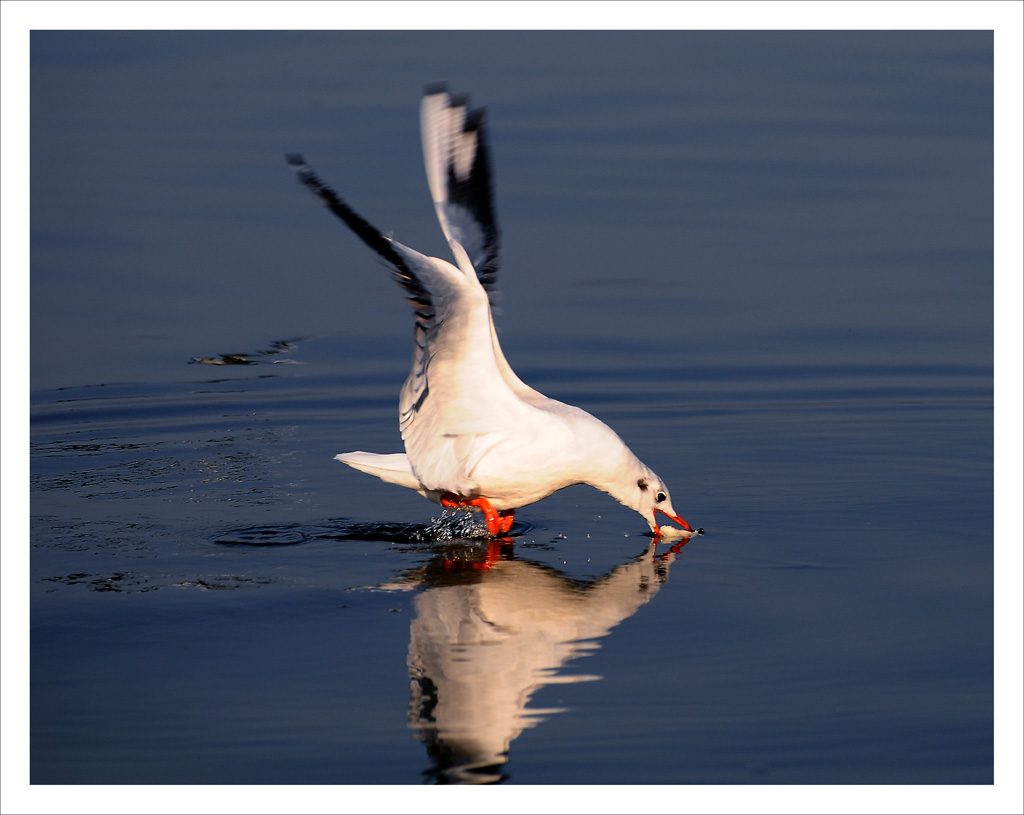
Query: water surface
x=765 y=259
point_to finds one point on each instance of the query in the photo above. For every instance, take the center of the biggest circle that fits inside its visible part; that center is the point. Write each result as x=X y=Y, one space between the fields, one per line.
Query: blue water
x=765 y=259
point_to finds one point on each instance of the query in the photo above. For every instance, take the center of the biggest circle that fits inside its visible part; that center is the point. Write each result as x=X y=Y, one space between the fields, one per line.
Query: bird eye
x=660 y=497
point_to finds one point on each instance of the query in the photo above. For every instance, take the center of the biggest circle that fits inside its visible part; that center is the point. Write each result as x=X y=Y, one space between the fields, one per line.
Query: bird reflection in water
x=489 y=631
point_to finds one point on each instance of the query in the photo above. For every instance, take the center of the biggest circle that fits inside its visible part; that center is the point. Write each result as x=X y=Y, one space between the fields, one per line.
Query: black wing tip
x=309 y=178
x=475 y=120
x=304 y=172
x=458 y=100
x=366 y=231
x=455 y=100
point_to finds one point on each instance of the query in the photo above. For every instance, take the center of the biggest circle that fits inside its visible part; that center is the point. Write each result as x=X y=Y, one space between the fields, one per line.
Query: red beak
x=675 y=518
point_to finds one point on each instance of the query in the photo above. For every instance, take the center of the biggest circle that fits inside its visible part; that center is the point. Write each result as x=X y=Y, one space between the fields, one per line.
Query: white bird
x=476 y=435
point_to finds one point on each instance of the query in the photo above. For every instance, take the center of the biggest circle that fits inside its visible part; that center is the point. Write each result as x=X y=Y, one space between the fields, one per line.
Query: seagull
x=476 y=436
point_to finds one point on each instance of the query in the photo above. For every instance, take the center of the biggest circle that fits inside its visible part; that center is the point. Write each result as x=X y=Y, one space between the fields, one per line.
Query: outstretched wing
x=446 y=425
x=445 y=432
x=458 y=165
x=430 y=287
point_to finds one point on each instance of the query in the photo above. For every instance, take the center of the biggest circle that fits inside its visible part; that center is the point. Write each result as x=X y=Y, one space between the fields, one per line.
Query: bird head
x=652 y=498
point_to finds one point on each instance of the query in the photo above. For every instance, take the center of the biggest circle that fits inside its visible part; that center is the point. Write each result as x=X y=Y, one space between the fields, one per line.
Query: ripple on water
x=452 y=525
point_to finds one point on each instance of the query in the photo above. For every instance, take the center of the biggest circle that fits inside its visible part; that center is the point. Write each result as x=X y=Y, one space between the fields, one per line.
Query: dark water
x=764 y=258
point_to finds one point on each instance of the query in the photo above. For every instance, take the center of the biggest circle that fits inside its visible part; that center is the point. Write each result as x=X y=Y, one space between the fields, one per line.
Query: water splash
x=455 y=524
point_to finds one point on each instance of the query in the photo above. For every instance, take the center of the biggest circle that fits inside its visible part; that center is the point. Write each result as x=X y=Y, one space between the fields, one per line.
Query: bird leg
x=497 y=522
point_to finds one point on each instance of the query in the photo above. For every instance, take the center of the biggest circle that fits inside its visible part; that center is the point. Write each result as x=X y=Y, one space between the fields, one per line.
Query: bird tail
x=393 y=468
